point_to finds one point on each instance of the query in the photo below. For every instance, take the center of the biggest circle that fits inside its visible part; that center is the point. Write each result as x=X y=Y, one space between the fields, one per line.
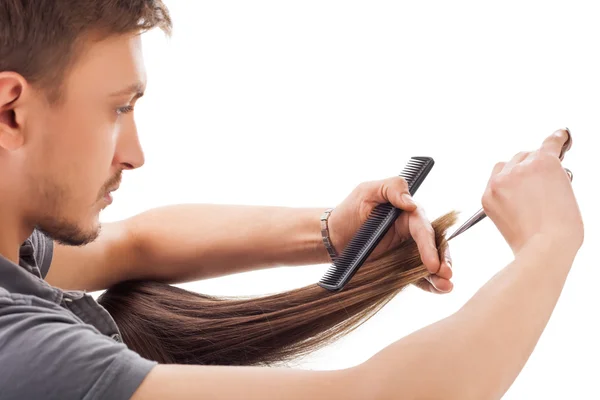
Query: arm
x=191 y=382
x=461 y=357
x=474 y=354
x=190 y=242
x=478 y=352
x=110 y=259
x=196 y=241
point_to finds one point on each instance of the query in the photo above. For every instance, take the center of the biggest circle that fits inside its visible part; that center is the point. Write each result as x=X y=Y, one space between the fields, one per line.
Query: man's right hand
x=531 y=196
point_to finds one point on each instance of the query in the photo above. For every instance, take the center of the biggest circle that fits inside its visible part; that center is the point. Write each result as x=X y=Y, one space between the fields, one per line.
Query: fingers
x=498 y=168
x=555 y=143
x=424 y=235
x=441 y=284
x=393 y=190
x=445 y=270
x=448 y=257
x=517 y=159
x=425 y=285
x=435 y=284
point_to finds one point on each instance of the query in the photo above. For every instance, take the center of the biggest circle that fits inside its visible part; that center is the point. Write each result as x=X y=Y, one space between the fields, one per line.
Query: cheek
x=80 y=153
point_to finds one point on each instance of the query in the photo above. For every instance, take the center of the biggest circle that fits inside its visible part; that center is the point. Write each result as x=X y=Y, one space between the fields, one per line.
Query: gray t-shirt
x=57 y=344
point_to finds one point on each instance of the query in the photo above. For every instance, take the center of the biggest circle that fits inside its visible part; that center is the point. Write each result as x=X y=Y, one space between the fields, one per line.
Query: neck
x=13 y=232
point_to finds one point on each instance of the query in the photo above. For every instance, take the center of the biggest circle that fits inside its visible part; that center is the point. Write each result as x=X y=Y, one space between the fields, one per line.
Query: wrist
x=553 y=247
x=318 y=250
x=325 y=235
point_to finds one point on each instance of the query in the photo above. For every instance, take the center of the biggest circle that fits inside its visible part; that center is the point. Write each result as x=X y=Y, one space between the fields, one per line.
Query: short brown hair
x=39 y=38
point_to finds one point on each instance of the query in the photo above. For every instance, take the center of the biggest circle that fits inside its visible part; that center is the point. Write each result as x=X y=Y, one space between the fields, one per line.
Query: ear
x=12 y=89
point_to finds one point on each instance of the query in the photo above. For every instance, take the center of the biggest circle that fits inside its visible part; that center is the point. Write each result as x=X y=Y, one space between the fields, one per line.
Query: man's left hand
x=348 y=217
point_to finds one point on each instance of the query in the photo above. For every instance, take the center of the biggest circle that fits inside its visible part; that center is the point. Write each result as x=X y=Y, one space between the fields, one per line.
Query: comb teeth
x=413 y=172
x=372 y=231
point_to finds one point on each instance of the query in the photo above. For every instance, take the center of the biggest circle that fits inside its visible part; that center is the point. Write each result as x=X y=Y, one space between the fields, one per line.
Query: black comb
x=372 y=231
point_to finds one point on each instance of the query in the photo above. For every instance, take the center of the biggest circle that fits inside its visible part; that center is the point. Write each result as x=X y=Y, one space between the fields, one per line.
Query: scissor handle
x=567 y=146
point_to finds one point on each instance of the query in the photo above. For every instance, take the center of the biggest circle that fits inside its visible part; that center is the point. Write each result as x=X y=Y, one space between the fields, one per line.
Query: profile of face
x=69 y=156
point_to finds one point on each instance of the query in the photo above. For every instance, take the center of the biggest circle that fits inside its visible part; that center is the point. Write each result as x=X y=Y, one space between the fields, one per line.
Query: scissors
x=480 y=215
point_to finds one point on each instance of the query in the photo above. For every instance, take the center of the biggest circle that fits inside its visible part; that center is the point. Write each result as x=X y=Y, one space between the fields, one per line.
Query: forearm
x=195 y=241
x=478 y=352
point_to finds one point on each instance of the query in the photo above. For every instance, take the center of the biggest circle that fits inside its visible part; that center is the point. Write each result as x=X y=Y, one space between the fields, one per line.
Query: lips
x=108 y=195
x=116 y=182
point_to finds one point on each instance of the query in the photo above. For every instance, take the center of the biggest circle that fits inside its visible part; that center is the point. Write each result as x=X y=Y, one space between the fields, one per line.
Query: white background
x=293 y=103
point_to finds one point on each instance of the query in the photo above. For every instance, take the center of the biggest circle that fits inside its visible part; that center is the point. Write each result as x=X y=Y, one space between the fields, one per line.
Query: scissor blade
x=477 y=217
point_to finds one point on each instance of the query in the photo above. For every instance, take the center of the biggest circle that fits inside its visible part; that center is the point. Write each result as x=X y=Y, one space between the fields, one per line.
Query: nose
x=129 y=153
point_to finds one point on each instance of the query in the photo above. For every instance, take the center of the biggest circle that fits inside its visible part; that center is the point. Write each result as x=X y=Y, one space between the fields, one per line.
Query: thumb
x=392 y=190
x=396 y=191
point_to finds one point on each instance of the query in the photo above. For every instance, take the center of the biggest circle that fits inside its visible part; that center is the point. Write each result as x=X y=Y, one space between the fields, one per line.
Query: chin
x=70 y=233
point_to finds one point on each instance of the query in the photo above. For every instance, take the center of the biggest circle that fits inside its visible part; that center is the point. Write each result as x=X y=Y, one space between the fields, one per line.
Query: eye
x=124 y=110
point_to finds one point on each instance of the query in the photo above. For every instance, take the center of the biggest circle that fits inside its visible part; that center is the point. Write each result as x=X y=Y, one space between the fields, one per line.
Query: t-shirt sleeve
x=45 y=353
x=43 y=248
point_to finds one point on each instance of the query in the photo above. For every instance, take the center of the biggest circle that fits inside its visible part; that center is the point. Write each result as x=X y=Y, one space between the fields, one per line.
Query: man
x=70 y=75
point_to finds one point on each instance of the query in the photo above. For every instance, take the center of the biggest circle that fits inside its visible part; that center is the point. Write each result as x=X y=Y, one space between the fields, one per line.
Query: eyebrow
x=136 y=88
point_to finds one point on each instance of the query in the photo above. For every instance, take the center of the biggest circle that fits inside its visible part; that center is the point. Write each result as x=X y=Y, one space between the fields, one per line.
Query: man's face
x=75 y=151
